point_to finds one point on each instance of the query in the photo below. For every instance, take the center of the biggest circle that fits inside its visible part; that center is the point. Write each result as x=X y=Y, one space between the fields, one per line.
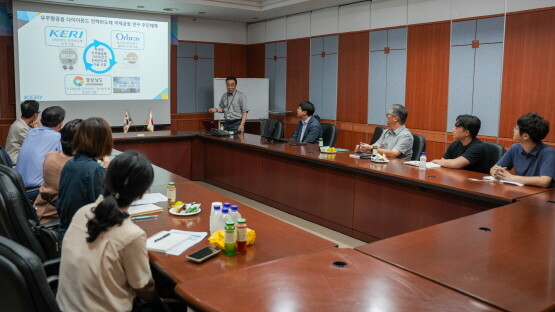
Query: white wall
x=381 y=14
x=195 y=29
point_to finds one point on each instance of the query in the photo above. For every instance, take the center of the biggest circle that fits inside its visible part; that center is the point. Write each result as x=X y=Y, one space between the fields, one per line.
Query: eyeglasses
x=388 y=114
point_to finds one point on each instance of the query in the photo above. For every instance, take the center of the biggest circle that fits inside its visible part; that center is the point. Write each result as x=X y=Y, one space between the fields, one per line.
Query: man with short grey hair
x=395 y=142
x=20 y=127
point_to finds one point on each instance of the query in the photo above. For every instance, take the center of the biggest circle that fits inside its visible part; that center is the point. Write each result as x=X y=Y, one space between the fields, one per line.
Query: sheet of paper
x=490 y=178
x=192 y=239
x=174 y=242
x=150 y=198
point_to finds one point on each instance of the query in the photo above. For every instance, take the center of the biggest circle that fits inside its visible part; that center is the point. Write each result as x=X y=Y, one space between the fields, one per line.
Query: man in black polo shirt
x=467 y=152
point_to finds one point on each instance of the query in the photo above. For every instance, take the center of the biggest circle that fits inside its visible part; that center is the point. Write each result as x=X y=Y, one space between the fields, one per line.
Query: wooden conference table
x=275 y=239
x=311 y=282
x=366 y=200
x=504 y=256
x=467 y=267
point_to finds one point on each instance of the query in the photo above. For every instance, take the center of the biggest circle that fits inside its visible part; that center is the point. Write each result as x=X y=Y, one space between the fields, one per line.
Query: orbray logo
x=32 y=97
x=66 y=33
x=127 y=37
x=127 y=40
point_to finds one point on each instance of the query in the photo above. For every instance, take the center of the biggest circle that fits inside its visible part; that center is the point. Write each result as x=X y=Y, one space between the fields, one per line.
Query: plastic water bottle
x=227 y=205
x=224 y=217
x=422 y=164
x=234 y=213
x=215 y=219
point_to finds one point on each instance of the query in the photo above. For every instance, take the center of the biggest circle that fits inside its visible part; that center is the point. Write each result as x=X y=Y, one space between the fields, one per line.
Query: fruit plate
x=183 y=211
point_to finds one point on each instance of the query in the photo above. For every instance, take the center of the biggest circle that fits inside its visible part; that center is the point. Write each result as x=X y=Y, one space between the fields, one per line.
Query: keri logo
x=65 y=33
x=32 y=97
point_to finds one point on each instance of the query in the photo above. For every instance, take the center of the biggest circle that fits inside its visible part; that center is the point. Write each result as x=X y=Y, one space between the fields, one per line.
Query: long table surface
x=445 y=179
x=275 y=239
x=311 y=282
x=504 y=256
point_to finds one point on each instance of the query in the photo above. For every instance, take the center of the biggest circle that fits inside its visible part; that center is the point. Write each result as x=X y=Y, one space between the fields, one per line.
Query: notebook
x=143 y=209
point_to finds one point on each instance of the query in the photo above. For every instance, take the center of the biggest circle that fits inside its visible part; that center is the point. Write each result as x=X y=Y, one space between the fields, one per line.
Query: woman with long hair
x=104 y=258
x=82 y=177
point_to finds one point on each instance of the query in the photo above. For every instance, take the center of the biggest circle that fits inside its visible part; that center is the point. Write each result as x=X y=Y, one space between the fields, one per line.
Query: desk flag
x=150 y=122
x=127 y=121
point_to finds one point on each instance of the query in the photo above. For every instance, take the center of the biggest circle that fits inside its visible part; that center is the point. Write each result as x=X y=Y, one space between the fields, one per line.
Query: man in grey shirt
x=20 y=127
x=234 y=107
x=395 y=142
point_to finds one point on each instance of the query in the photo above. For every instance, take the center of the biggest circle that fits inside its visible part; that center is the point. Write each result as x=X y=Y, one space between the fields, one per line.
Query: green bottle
x=229 y=239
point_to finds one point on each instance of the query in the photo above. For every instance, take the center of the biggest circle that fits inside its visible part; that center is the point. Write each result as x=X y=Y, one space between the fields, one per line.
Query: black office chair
x=271 y=128
x=19 y=218
x=494 y=152
x=329 y=134
x=5 y=158
x=418 y=146
x=24 y=286
x=377 y=134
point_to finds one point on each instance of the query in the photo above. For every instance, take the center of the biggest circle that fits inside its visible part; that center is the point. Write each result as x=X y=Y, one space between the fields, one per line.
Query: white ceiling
x=230 y=10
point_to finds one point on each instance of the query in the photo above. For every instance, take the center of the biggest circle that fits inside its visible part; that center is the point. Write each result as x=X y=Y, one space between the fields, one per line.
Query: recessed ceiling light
x=201 y=12
x=140 y=6
x=170 y=9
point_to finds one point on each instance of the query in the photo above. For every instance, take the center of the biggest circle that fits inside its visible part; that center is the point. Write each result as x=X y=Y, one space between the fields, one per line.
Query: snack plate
x=379 y=160
x=182 y=213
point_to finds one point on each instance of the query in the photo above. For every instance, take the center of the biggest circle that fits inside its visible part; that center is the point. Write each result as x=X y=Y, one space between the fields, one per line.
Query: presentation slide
x=66 y=57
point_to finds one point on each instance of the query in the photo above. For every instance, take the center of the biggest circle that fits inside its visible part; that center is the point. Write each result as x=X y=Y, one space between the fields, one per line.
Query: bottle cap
x=423 y=153
x=241 y=220
x=217 y=207
x=229 y=223
x=171 y=183
x=234 y=208
x=227 y=205
x=225 y=210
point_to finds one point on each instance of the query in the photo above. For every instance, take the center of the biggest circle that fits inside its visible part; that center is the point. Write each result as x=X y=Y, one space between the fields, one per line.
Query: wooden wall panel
x=528 y=69
x=352 y=80
x=298 y=73
x=230 y=60
x=255 y=60
x=428 y=75
x=7 y=87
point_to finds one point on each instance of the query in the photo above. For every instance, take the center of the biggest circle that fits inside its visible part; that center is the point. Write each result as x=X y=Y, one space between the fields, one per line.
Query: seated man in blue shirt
x=533 y=161
x=467 y=152
x=38 y=142
x=308 y=129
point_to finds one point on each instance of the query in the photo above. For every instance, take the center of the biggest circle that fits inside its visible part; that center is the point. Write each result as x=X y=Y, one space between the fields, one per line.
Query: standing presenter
x=234 y=107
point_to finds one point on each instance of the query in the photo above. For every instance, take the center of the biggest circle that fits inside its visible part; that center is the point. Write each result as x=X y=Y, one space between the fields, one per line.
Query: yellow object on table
x=217 y=238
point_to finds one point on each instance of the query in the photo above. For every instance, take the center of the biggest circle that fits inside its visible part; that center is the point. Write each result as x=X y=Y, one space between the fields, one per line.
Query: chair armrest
x=51 y=267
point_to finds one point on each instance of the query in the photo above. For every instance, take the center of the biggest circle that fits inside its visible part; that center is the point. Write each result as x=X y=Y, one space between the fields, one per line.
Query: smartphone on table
x=203 y=254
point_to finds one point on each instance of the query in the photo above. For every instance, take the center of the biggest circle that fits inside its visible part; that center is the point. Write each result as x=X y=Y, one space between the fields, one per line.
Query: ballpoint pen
x=162 y=237
x=144 y=217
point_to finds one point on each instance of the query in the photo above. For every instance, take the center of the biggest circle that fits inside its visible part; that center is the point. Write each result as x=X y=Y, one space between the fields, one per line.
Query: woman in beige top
x=104 y=259
x=53 y=164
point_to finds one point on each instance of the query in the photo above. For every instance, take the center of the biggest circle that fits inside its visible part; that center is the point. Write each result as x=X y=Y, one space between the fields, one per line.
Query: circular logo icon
x=131 y=58
x=78 y=81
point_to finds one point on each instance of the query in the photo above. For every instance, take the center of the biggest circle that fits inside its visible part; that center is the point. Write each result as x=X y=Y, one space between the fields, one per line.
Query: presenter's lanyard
x=228 y=104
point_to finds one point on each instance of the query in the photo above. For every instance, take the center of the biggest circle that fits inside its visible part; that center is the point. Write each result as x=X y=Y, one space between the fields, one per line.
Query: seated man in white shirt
x=308 y=129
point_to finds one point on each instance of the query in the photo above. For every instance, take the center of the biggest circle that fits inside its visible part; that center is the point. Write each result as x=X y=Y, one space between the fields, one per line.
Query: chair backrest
x=23 y=286
x=5 y=158
x=377 y=134
x=19 y=219
x=418 y=146
x=494 y=152
x=329 y=134
x=271 y=128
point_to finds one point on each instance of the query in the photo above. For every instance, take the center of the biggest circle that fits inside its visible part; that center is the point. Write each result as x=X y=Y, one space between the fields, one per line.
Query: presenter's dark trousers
x=232 y=125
